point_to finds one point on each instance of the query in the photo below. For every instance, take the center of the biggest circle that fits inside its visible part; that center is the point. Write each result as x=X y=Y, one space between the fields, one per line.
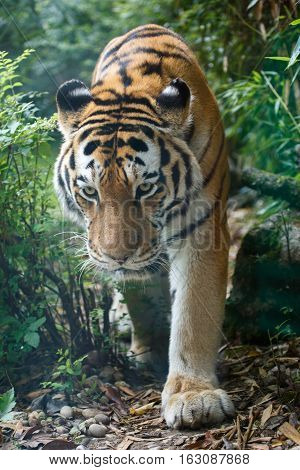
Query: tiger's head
x=126 y=172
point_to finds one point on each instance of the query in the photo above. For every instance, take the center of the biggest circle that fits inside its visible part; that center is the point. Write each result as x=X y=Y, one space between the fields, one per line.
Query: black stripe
x=151 y=68
x=175 y=177
x=147 y=50
x=150 y=175
x=164 y=153
x=91 y=147
x=72 y=161
x=210 y=174
x=126 y=80
x=184 y=233
x=67 y=177
x=91 y=164
x=137 y=144
x=139 y=161
x=91 y=121
x=125 y=99
x=187 y=164
x=135 y=35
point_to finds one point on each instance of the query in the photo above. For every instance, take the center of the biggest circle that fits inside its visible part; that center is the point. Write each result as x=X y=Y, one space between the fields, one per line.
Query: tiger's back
x=142 y=63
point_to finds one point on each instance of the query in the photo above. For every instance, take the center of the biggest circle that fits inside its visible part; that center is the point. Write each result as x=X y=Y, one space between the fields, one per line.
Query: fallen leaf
x=266 y=415
x=126 y=390
x=274 y=422
x=142 y=409
x=59 y=444
x=19 y=430
x=125 y=444
x=38 y=393
x=29 y=432
x=113 y=394
x=290 y=432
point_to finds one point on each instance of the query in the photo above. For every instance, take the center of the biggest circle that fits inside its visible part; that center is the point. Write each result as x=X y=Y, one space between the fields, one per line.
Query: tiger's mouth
x=137 y=274
x=133 y=271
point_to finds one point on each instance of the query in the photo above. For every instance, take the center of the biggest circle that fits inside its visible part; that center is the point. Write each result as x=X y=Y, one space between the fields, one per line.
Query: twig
x=249 y=428
x=239 y=432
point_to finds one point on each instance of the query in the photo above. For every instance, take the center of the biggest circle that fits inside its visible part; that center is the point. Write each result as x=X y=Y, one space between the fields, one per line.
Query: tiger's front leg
x=198 y=276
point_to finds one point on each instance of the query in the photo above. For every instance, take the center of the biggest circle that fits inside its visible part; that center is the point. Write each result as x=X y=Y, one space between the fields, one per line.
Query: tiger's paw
x=190 y=403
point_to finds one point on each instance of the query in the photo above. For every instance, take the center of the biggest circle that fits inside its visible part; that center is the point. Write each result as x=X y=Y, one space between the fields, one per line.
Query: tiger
x=144 y=169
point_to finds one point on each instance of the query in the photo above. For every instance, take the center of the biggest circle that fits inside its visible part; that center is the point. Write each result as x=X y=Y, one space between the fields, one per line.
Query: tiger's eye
x=89 y=191
x=144 y=187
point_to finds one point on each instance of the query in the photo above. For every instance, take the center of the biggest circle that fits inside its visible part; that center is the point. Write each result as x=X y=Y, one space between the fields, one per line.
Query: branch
x=269 y=184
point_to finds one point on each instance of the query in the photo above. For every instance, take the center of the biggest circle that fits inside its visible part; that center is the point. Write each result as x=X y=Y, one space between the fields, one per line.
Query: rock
x=266 y=282
x=104 y=400
x=118 y=376
x=33 y=418
x=90 y=421
x=44 y=422
x=74 y=431
x=82 y=427
x=55 y=404
x=42 y=415
x=101 y=418
x=61 y=430
x=39 y=402
x=85 y=441
x=97 y=430
x=94 y=358
x=107 y=373
x=60 y=421
x=66 y=412
x=25 y=422
x=80 y=447
x=89 y=412
x=92 y=381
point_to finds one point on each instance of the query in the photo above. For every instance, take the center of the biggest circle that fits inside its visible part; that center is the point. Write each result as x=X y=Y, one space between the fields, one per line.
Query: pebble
x=80 y=447
x=25 y=422
x=92 y=381
x=66 y=412
x=85 y=441
x=90 y=421
x=107 y=373
x=33 y=418
x=104 y=400
x=74 y=431
x=101 y=418
x=61 y=430
x=97 y=430
x=42 y=415
x=89 y=412
x=118 y=376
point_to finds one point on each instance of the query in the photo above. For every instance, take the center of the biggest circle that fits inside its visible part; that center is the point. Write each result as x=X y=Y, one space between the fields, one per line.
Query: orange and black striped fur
x=144 y=168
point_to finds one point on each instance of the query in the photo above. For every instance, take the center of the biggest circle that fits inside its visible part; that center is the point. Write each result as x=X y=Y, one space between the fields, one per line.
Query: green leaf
x=7 y=403
x=252 y=4
x=32 y=339
x=295 y=53
x=283 y=59
x=36 y=324
x=295 y=22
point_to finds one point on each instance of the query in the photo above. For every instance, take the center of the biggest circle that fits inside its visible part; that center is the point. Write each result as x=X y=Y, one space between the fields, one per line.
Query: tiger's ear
x=71 y=98
x=174 y=104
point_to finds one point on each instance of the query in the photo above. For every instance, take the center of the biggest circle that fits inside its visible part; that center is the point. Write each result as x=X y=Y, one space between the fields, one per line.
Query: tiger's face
x=123 y=179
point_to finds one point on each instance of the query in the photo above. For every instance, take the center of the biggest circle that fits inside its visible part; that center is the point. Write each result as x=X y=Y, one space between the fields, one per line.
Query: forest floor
x=110 y=411
x=263 y=383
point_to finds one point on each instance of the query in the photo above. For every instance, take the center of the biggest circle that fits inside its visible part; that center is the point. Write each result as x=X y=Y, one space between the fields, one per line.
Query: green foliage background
x=244 y=48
